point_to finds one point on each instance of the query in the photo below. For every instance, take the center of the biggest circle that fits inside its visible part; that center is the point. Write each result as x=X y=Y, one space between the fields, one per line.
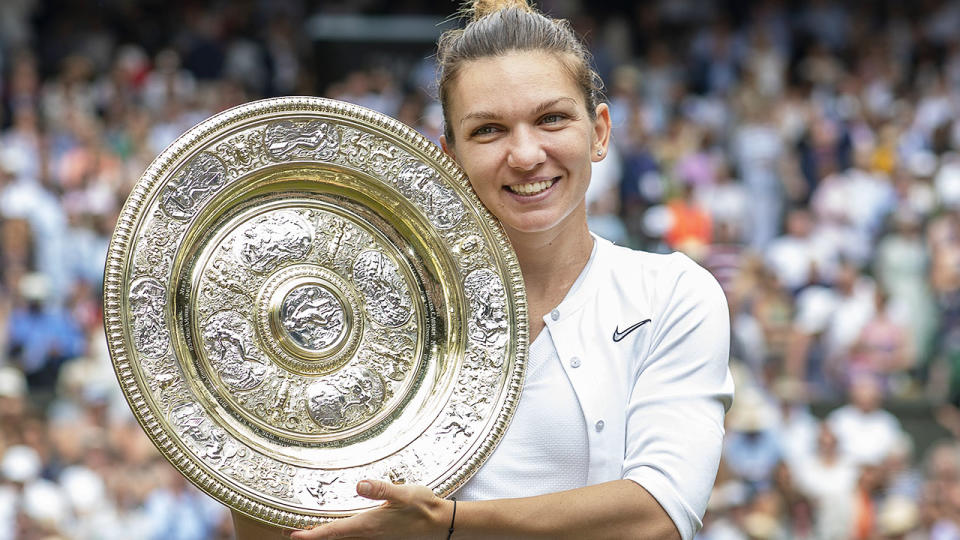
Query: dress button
x=599 y=425
x=554 y=314
x=574 y=362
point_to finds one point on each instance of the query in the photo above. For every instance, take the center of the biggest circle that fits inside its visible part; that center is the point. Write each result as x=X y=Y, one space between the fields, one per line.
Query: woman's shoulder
x=654 y=269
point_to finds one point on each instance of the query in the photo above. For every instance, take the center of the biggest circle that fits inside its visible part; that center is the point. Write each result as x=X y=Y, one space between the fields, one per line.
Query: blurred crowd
x=807 y=153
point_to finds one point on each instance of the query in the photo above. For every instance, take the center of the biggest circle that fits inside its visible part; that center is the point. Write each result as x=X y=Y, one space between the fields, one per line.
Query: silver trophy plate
x=302 y=293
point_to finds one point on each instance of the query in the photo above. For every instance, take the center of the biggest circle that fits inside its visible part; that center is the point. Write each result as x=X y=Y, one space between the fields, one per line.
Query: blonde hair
x=497 y=27
x=482 y=8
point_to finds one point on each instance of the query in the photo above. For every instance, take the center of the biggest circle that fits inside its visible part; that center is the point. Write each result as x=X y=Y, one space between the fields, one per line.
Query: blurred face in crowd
x=871 y=478
x=865 y=394
x=846 y=278
x=826 y=442
x=799 y=223
x=943 y=464
x=524 y=137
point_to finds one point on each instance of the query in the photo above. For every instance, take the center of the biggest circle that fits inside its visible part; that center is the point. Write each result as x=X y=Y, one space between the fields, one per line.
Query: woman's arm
x=617 y=509
x=247 y=528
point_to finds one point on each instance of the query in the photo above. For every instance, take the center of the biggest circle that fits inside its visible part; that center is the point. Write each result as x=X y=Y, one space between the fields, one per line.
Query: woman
x=619 y=426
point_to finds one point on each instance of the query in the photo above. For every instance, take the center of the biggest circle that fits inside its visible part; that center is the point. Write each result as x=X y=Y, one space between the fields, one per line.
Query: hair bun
x=478 y=9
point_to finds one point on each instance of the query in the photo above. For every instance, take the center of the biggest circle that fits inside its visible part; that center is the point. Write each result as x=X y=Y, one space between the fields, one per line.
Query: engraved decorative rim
x=301 y=293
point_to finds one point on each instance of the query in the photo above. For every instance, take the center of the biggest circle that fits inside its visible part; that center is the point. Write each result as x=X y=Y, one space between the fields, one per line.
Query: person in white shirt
x=866 y=432
x=829 y=479
x=619 y=428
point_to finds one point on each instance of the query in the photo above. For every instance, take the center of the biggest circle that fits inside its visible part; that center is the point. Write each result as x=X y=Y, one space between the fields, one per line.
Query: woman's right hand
x=407 y=512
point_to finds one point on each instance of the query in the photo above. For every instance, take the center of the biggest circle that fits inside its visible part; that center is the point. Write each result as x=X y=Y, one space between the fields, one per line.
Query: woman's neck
x=547 y=260
x=550 y=262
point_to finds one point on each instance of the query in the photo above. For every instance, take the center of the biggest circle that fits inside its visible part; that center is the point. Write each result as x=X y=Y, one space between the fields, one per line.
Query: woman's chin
x=531 y=225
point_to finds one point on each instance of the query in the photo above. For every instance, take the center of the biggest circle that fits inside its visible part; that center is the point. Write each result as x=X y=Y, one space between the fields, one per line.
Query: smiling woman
x=619 y=426
x=522 y=132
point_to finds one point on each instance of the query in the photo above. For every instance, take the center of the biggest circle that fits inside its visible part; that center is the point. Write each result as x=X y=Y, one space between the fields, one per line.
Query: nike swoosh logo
x=618 y=335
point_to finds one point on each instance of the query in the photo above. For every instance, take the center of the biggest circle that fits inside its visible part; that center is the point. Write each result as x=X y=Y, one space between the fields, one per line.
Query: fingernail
x=364 y=488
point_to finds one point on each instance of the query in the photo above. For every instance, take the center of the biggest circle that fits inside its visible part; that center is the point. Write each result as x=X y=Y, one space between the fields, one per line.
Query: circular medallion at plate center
x=313 y=318
x=306 y=319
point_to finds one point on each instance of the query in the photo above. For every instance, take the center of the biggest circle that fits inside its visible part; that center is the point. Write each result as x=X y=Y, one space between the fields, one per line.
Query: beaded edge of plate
x=120 y=243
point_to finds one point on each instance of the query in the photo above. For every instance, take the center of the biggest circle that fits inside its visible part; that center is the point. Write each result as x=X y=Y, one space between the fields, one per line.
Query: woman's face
x=523 y=135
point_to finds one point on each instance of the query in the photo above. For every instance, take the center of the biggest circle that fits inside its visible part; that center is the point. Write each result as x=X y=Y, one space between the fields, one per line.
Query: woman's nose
x=526 y=150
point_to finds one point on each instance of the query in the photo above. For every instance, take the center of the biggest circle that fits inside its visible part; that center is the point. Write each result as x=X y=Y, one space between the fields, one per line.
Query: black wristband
x=452 y=519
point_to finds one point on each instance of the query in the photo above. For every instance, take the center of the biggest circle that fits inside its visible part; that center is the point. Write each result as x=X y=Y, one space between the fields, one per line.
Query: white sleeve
x=681 y=390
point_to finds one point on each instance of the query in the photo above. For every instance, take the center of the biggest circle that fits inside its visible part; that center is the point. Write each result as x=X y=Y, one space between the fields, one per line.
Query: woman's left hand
x=408 y=512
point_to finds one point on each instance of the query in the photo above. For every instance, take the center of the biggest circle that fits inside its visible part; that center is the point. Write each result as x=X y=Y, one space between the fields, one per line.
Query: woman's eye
x=552 y=118
x=484 y=130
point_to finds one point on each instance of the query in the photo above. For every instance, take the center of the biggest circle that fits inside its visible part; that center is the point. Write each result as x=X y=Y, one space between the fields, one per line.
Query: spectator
x=42 y=337
x=796 y=257
x=828 y=478
x=757 y=151
x=752 y=449
x=690 y=227
x=902 y=268
x=726 y=201
x=867 y=434
x=844 y=113
x=855 y=306
x=797 y=426
x=883 y=350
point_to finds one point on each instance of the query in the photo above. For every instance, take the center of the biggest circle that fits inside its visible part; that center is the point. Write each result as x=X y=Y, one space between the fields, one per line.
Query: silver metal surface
x=300 y=294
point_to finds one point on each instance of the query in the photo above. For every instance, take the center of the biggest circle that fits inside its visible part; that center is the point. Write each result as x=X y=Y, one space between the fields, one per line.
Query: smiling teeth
x=532 y=188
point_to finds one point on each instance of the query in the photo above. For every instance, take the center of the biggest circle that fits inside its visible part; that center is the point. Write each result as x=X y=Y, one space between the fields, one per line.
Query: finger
x=330 y=531
x=379 y=490
x=309 y=534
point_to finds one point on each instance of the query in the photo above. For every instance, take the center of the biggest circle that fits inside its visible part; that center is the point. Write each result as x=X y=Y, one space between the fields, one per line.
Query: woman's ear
x=602 y=127
x=447 y=148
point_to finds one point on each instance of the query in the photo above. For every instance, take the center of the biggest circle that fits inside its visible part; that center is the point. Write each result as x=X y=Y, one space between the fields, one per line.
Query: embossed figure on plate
x=313 y=317
x=394 y=360
x=212 y=443
x=340 y=238
x=228 y=339
x=317 y=489
x=461 y=418
x=242 y=152
x=155 y=251
x=488 y=321
x=272 y=239
x=150 y=334
x=346 y=399
x=201 y=177
x=273 y=477
x=286 y=139
x=385 y=294
x=440 y=204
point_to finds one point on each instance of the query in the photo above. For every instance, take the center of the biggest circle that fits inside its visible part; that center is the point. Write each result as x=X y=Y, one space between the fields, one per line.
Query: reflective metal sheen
x=302 y=293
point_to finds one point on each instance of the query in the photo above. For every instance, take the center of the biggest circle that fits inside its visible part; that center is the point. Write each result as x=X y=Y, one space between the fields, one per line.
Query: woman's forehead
x=516 y=80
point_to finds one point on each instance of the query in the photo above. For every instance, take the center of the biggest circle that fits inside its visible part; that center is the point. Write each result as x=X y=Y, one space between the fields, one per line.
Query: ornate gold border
x=118 y=261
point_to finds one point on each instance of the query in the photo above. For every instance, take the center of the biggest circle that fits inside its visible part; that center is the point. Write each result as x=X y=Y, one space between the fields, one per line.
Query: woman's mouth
x=532 y=188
